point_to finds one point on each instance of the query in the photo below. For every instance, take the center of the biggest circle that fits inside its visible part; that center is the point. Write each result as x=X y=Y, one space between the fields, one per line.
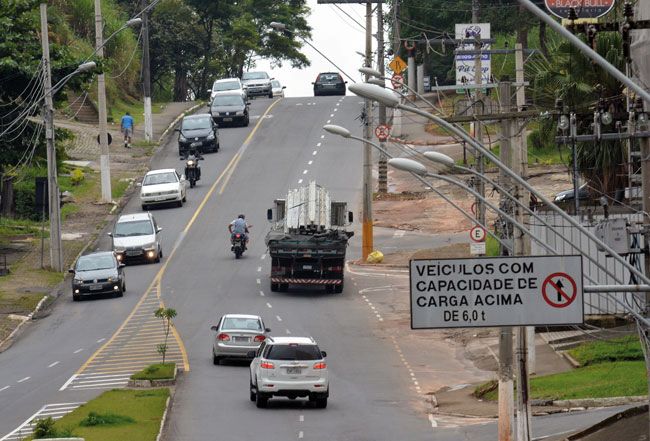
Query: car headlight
x=112 y=279
x=119 y=249
x=77 y=279
x=210 y=137
x=239 y=113
x=182 y=138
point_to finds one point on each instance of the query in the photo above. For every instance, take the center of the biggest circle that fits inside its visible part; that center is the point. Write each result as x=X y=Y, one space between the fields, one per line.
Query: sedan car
x=289 y=367
x=198 y=132
x=257 y=84
x=137 y=236
x=329 y=83
x=229 y=109
x=569 y=195
x=228 y=86
x=278 y=89
x=97 y=273
x=237 y=335
x=162 y=187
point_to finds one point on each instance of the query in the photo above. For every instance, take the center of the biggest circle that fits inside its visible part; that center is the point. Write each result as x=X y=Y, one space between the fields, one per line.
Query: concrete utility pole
x=506 y=387
x=146 y=75
x=104 y=158
x=478 y=110
x=367 y=228
x=383 y=165
x=411 y=70
x=56 y=251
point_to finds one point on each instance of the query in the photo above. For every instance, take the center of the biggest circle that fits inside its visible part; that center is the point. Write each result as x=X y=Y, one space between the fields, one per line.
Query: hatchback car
x=257 y=84
x=229 y=109
x=237 y=335
x=329 y=83
x=198 y=132
x=97 y=273
x=289 y=367
x=278 y=89
x=137 y=236
x=162 y=187
x=228 y=86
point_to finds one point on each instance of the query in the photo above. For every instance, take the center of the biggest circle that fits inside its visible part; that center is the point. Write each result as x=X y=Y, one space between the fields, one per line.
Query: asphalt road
x=82 y=348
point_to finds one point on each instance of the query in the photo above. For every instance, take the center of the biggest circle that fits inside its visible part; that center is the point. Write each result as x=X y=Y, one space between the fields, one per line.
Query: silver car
x=137 y=236
x=278 y=89
x=237 y=335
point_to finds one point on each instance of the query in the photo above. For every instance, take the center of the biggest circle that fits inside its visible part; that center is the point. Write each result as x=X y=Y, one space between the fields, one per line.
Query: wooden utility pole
x=478 y=109
x=56 y=251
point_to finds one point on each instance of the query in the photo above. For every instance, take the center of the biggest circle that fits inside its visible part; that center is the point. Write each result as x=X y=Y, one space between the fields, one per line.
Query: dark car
x=568 y=195
x=329 y=83
x=198 y=132
x=229 y=109
x=97 y=273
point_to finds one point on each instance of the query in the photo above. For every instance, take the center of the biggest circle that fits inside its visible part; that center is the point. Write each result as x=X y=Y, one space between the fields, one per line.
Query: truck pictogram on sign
x=559 y=290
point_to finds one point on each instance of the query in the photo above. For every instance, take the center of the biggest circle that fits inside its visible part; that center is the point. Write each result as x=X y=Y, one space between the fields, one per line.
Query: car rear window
x=293 y=352
x=329 y=77
x=249 y=324
x=225 y=85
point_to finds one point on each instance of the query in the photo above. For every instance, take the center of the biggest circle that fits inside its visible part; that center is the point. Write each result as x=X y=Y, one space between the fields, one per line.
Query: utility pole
x=478 y=110
x=367 y=228
x=146 y=75
x=382 y=167
x=104 y=158
x=411 y=70
x=56 y=254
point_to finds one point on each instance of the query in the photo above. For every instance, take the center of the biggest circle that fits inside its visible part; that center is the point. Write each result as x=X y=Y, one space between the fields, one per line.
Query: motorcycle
x=192 y=168
x=238 y=242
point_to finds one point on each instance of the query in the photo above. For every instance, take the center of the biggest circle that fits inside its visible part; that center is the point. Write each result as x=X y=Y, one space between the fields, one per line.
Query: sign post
x=496 y=291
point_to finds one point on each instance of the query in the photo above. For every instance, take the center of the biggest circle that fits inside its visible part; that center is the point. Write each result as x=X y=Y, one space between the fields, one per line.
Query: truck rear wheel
x=284 y=287
x=338 y=289
x=274 y=287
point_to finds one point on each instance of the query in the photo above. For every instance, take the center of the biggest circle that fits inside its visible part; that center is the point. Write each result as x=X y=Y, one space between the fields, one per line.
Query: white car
x=228 y=86
x=278 y=89
x=290 y=367
x=162 y=187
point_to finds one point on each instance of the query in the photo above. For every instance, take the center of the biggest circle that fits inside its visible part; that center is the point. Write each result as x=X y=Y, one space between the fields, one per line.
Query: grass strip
x=626 y=348
x=156 y=372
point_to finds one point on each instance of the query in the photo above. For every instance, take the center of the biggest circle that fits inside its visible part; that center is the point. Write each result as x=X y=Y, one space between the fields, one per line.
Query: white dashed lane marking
x=299 y=181
x=315 y=152
x=304 y=172
x=259 y=282
x=23 y=379
x=310 y=162
x=301 y=418
x=322 y=136
x=262 y=293
x=269 y=305
x=53 y=364
x=78 y=350
x=278 y=317
x=4 y=388
x=259 y=269
x=319 y=144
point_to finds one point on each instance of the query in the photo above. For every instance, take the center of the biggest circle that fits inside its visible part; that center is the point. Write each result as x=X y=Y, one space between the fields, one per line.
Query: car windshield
x=328 y=77
x=227 y=100
x=255 y=76
x=133 y=228
x=225 y=85
x=276 y=84
x=249 y=324
x=159 y=178
x=293 y=352
x=90 y=263
x=196 y=123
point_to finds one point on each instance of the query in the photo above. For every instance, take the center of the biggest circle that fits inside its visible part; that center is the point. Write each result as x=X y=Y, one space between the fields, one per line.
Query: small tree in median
x=166 y=314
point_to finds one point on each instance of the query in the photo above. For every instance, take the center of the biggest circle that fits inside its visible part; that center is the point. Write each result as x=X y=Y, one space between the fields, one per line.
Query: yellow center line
x=156 y=282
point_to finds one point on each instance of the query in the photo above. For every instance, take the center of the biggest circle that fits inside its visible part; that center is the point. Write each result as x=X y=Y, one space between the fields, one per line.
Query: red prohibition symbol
x=559 y=290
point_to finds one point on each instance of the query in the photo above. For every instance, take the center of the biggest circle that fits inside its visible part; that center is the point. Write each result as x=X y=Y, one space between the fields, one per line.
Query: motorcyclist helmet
x=241 y=216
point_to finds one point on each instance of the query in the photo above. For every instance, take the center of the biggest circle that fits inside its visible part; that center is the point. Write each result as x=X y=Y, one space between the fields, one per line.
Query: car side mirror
x=248 y=103
x=183 y=178
x=158 y=230
x=214 y=328
x=272 y=79
x=312 y=82
x=284 y=87
x=71 y=270
x=267 y=329
x=269 y=214
x=323 y=354
x=350 y=217
x=251 y=354
x=345 y=82
x=109 y=234
x=209 y=90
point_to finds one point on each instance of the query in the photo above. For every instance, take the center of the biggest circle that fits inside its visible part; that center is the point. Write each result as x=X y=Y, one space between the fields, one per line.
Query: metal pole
x=56 y=254
x=104 y=158
x=478 y=110
x=366 y=238
x=644 y=144
x=506 y=386
x=382 y=166
x=574 y=151
x=146 y=75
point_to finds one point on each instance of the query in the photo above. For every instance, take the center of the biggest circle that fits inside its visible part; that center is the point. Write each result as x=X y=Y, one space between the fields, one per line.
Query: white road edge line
x=67 y=383
x=101 y=340
x=53 y=364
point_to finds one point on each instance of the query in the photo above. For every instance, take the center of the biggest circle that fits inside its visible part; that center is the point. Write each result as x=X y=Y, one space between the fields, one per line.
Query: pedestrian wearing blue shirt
x=127 y=129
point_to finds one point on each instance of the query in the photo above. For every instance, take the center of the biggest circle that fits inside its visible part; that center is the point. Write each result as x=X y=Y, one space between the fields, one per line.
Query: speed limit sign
x=477 y=234
x=382 y=132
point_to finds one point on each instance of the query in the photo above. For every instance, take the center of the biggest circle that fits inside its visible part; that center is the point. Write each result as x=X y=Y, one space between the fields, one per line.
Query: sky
x=335 y=35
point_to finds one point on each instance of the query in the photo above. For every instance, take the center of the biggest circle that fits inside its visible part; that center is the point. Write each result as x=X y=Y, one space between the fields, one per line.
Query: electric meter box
x=614 y=233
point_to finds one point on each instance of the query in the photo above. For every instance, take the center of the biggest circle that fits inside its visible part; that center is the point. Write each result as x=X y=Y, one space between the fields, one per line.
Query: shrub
x=105 y=419
x=77 y=176
x=44 y=428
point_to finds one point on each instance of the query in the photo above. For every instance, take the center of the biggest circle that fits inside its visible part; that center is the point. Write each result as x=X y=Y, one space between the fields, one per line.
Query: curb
x=178 y=118
x=163 y=420
x=607 y=421
x=7 y=342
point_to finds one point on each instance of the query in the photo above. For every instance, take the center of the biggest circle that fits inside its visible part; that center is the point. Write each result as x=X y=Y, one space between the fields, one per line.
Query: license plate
x=294 y=370
x=306 y=267
x=241 y=339
x=133 y=252
x=161 y=198
x=227 y=119
x=96 y=287
x=196 y=144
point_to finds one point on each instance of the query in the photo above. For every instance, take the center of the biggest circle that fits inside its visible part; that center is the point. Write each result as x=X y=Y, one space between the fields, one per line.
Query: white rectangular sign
x=477 y=248
x=466 y=64
x=496 y=291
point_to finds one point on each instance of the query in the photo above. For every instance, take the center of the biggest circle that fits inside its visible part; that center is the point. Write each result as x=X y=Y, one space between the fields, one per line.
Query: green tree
x=166 y=315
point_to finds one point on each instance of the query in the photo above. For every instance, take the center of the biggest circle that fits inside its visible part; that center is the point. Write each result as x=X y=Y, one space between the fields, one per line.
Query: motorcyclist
x=239 y=226
x=193 y=155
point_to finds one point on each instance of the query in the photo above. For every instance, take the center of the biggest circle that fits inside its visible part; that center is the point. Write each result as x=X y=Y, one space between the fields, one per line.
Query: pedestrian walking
x=126 y=126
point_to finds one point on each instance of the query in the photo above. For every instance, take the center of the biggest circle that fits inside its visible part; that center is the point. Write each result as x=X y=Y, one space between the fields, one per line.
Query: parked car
x=97 y=273
x=568 y=195
x=137 y=236
x=229 y=109
x=329 y=83
x=228 y=86
x=257 y=84
x=162 y=187
x=278 y=89
x=290 y=367
x=237 y=335
x=198 y=132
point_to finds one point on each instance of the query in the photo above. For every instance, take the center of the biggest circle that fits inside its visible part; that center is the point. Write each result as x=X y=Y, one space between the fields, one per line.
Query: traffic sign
x=397 y=81
x=559 y=290
x=397 y=65
x=496 y=291
x=583 y=8
x=477 y=233
x=382 y=132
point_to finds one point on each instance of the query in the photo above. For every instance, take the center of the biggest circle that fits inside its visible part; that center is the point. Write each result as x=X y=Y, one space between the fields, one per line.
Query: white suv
x=289 y=367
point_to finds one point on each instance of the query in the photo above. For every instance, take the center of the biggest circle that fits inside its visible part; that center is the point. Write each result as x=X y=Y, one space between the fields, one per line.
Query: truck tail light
x=267 y=365
x=223 y=337
x=336 y=269
x=259 y=338
x=320 y=365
